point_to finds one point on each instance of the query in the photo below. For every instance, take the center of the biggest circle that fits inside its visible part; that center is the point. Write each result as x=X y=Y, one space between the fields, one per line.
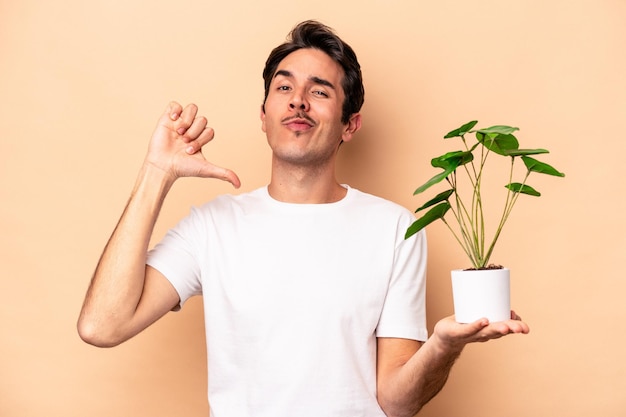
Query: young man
x=314 y=301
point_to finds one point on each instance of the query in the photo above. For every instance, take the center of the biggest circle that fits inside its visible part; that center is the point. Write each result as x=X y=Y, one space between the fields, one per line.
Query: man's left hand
x=455 y=335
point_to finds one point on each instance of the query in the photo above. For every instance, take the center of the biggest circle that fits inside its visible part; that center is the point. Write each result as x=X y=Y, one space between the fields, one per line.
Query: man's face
x=302 y=117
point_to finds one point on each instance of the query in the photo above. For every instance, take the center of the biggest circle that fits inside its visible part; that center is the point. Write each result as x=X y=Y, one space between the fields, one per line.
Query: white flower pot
x=481 y=293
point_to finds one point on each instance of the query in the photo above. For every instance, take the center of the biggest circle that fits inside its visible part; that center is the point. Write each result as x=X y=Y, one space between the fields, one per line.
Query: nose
x=298 y=102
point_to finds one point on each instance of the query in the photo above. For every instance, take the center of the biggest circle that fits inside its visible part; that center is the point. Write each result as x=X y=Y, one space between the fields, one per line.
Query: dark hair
x=312 y=34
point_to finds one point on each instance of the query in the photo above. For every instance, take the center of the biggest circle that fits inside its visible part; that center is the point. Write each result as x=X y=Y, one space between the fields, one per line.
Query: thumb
x=477 y=325
x=209 y=170
x=231 y=177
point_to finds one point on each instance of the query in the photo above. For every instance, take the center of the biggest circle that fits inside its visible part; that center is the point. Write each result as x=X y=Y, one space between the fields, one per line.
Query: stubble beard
x=304 y=158
x=310 y=159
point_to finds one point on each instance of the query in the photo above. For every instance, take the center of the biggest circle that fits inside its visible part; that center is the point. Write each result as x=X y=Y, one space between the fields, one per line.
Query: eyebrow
x=316 y=80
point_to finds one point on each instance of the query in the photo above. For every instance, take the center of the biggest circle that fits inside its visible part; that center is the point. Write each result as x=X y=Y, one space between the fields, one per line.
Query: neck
x=304 y=185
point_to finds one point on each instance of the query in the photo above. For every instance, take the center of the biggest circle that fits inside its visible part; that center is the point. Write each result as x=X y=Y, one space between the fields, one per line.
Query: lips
x=299 y=123
x=298 y=126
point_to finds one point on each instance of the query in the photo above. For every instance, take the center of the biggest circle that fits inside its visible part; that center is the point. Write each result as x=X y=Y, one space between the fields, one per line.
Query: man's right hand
x=125 y=296
x=176 y=146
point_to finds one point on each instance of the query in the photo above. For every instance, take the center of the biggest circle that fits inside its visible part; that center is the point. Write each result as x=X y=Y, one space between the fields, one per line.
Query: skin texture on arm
x=411 y=373
x=125 y=296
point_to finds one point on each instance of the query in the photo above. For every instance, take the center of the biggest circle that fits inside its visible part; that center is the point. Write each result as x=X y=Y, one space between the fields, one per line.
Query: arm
x=125 y=296
x=411 y=373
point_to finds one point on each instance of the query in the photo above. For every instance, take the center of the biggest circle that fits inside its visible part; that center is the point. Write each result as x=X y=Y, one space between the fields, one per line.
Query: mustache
x=300 y=115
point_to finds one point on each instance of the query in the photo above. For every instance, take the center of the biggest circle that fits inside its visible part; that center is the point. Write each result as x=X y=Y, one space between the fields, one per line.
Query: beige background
x=83 y=82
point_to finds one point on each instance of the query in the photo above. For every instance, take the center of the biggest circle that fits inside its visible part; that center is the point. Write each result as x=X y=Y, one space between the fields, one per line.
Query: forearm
x=117 y=285
x=409 y=377
x=418 y=380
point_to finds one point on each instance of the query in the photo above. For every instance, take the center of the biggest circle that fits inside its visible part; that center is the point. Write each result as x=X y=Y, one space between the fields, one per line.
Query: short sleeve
x=404 y=310
x=176 y=256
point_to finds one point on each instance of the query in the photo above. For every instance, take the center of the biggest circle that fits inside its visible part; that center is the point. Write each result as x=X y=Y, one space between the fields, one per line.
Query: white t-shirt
x=295 y=296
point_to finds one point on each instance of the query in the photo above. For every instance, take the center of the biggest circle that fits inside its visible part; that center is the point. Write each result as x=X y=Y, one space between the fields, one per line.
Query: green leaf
x=431 y=215
x=501 y=144
x=434 y=180
x=522 y=152
x=516 y=187
x=449 y=162
x=461 y=130
x=540 y=167
x=498 y=130
x=452 y=159
x=437 y=199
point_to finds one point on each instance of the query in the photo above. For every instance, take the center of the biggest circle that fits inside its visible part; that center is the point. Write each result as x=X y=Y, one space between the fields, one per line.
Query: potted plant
x=482 y=290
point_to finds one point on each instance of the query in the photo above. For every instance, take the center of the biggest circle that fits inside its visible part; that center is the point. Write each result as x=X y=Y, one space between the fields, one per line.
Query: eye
x=320 y=93
x=283 y=88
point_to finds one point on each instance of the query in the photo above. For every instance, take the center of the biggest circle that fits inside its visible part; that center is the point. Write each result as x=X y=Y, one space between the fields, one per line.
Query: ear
x=353 y=125
x=263 y=118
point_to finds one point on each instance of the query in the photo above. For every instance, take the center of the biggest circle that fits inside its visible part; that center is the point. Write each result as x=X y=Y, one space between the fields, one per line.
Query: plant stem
x=511 y=199
x=460 y=214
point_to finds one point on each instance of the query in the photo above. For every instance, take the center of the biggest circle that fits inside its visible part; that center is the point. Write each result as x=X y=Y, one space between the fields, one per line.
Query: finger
x=203 y=138
x=186 y=118
x=511 y=326
x=501 y=328
x=521 y=325
x=197 y=127
x=173 y=110
x=170 y=114
x=518 y=326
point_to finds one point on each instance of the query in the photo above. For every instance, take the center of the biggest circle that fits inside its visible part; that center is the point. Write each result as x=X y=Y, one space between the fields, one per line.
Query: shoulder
x=372 y=202
x=233 y=202
x=379 y=215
